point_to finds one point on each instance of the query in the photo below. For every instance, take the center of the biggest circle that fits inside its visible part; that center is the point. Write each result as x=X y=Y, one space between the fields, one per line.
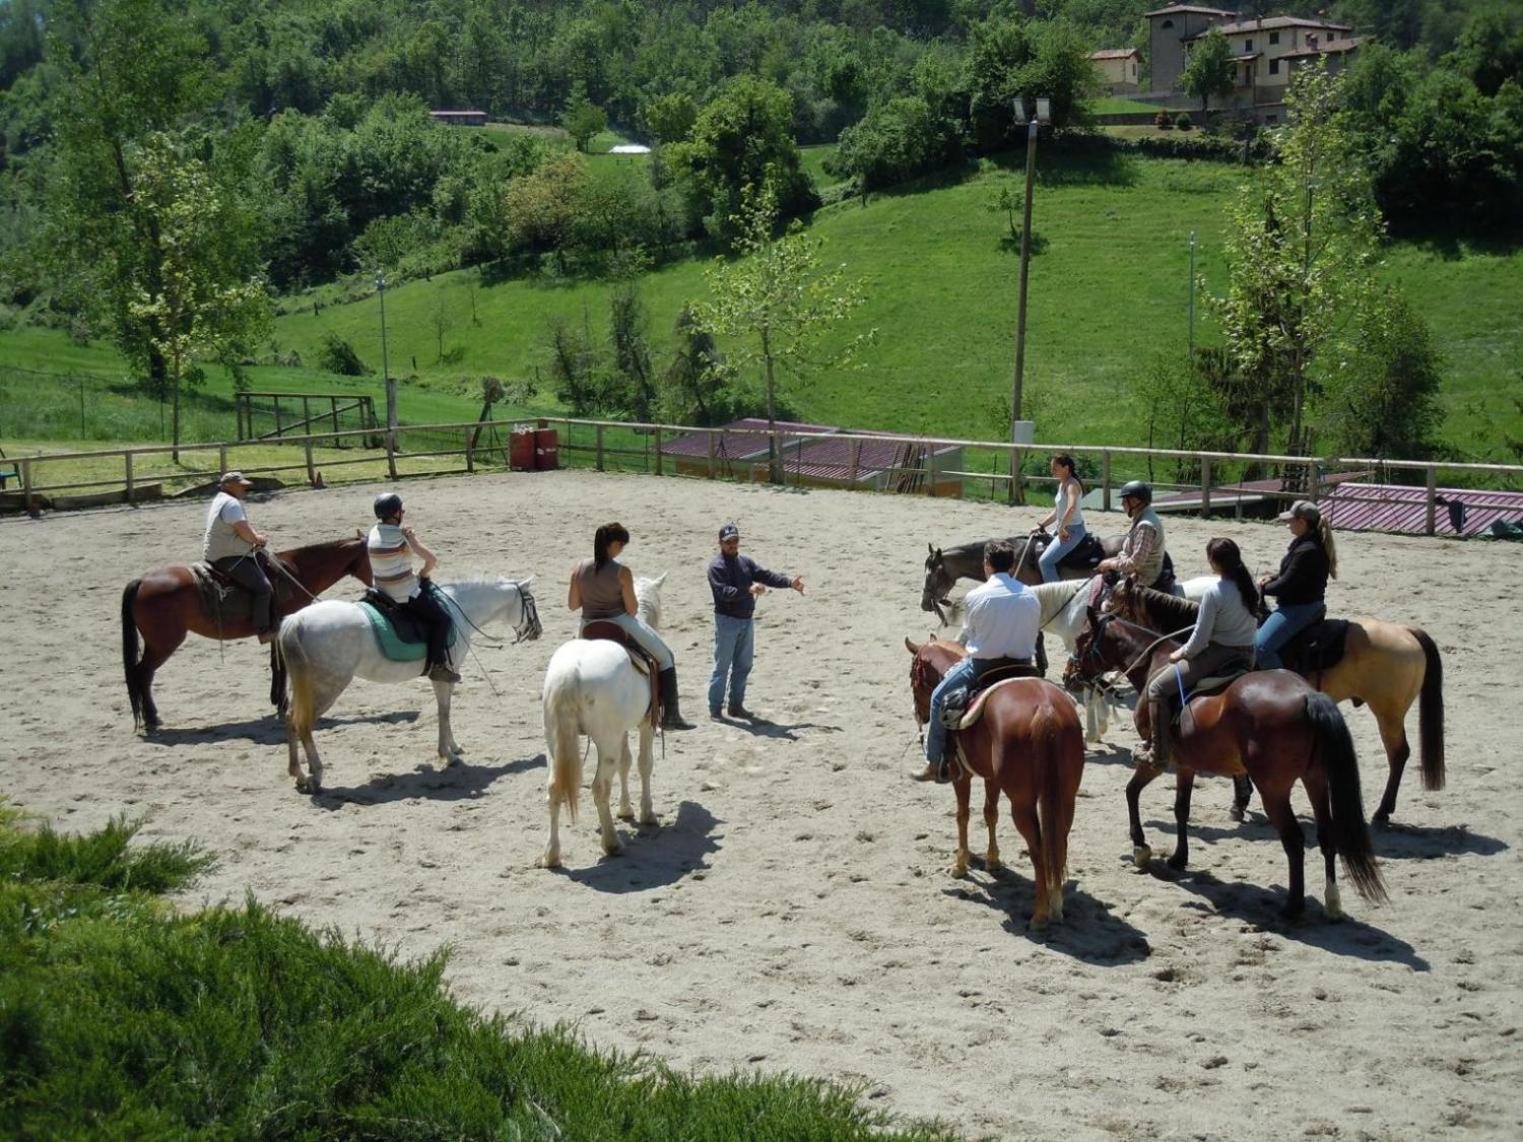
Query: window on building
x=1274 y=38
x=1274 y=67
x=1247 y=45
x=1167 y=24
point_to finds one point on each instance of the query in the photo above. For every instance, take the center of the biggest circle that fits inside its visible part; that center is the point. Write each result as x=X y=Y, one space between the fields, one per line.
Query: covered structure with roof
x=1118 y=68
x=819 y=455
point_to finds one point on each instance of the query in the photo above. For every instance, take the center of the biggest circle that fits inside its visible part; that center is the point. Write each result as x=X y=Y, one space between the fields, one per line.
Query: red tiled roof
x=1332 y=47
x=1273 y=24
x=738 y=445
x=831 y=459
x=1403 y=509
x=1115 y=53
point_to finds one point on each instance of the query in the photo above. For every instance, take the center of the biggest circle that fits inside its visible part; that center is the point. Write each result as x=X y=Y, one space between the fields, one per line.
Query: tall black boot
x=671 y=715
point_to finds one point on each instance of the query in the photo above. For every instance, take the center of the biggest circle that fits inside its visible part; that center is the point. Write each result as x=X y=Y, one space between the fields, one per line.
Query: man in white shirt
x=1001 y=620
x=231 y=546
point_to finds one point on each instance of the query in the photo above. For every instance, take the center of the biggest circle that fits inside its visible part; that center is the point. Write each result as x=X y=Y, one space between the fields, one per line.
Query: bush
x=338 y=356
x=1162 y=120
x=1184 y=122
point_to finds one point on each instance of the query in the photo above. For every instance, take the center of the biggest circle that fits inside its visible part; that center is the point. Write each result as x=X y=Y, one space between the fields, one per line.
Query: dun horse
x=1027 y=745
x=1385 y=665
x=1270 y=725
x=166 y=603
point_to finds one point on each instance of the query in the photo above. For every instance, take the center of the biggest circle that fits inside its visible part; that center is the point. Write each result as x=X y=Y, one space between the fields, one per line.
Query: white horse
x=592 y=688
x=1065 y=610
x=327 y=645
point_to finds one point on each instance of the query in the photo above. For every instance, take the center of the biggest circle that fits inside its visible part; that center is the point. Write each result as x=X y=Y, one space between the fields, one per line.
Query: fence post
x=279 y=430
x=221 y=460
x=709 y=436
x=1105 y=481
x=1205 y=487
x=127 y=457
x=333 y=408
x=470 y=450
x=600 y=447
x=658 y=450
x=391 y=454
x=930 y=470
x=26 y=483
x=307 y=448
x=1429 y=527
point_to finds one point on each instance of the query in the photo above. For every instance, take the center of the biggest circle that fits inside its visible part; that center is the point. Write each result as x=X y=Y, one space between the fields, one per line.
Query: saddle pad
x=1319 y=647
x=228 y=602
x=401 y=640
x=976 y=710
x=1087 y=553
x=1214 y=684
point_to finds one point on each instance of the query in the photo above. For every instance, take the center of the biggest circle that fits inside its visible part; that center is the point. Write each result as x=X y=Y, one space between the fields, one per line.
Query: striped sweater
x=391 y=562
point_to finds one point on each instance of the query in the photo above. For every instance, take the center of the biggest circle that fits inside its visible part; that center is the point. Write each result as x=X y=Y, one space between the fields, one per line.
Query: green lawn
x=813 y=161
x=1108 y=292
x=1116 y=105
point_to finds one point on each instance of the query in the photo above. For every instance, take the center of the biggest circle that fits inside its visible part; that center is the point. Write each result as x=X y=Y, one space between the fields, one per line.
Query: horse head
x=1089 y=662
x=528 y=627
x=648 y=599
x=938 y=583
x=929 y=663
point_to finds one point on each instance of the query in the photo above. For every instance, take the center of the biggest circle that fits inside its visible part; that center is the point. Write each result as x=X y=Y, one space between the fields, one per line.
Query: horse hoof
x=959 y=871
x=649 y=819
x=1141 y=855
x=992 y=863
x=1332 y=903
x=1381 y=819
x=1237 y=813
x=1038 y=923
x=626 y=814
x=549 y=860
x=307 y=785
x=1177 y=863
x=613 y=849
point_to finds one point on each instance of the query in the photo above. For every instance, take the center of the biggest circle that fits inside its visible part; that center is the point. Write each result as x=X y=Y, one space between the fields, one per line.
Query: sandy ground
x=793 y=910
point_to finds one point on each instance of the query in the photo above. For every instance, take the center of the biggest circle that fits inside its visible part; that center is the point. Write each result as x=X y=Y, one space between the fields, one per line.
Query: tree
x=195 y=304
x=777 y=303
x=582 y=119
x=631 y=352
x=1209 y=70
x=1301 y=249
x=670 y=118
x=896 y=141
x=696 y=385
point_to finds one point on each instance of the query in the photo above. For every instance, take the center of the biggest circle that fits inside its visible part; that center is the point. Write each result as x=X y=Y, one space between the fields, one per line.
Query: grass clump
x=122 y=1019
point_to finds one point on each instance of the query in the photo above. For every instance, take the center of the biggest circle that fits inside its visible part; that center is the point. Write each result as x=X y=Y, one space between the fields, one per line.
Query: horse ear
x=658 y=580
x=910 y=646
x=358 y=534
x=931 y=547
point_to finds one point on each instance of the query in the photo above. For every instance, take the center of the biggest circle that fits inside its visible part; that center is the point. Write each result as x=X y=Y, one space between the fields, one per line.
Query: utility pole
x=1192 y=297
x=1016 y=492
x=391 y=385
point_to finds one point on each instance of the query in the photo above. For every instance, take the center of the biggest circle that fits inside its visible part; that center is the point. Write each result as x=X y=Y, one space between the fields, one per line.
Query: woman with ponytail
x=1222 y=643
x=603 y=589
x=1301 y=585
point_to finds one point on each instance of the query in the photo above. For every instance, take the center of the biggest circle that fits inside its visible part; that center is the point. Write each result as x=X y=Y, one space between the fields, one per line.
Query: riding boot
x=1158 y=714
x=671 y=715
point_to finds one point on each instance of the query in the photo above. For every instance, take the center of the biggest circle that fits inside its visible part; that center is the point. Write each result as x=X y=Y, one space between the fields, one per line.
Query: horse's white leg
x=1093 y=713
x=325 y=692
x=551 y=858
x=647 y=762
x=447 y=752
x=626 y=809
x=602 y=786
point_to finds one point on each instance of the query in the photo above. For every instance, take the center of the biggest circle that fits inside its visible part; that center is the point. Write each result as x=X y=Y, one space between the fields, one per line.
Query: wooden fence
x=618 y=446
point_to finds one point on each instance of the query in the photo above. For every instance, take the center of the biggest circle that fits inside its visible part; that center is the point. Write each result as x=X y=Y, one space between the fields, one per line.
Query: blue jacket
x=730 y=578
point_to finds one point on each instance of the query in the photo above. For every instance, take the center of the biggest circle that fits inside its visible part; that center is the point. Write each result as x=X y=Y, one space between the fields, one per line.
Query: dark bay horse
x=166 y=603
x=1386 y=666
x=943 y=567
x=1028 y=745
x=1268 y=724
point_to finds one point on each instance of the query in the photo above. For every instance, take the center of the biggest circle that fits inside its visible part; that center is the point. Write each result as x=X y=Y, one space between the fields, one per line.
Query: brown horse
x=1029 y=745
x=1268 y=724
x=166 y=603
x=1386 y=666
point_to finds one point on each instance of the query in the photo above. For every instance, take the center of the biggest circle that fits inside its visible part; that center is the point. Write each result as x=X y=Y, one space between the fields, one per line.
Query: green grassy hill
x=1108 y=292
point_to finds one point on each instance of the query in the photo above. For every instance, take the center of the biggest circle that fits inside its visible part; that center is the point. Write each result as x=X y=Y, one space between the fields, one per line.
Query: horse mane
x=1173 y=611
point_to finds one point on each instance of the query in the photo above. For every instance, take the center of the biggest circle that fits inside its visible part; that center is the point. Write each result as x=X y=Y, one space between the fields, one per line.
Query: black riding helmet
x=387 y=505
x=1141 y=489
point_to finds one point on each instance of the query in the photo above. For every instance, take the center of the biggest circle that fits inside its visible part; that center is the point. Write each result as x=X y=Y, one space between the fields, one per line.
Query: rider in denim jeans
x=1066 y=517
x=736 y=581
x=1301 y=585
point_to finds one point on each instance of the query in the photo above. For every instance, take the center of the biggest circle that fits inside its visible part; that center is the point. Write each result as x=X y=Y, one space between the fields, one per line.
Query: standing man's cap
x=1303 y=509
x=729 y=531
x=236 y=478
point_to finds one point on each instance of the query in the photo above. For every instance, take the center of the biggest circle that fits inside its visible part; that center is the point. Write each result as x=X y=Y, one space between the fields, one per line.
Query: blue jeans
x=963 y=674
x=649 y=640
x=734 y=641
x=1056 y=550
x=1283 y=624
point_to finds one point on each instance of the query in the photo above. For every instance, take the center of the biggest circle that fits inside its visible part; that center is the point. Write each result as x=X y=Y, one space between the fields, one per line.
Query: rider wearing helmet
x=392 y=545
x=1142 y=550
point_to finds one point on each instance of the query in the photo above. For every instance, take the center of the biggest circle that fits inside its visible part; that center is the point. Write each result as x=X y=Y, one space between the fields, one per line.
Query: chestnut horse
x=1268 y=724
x=1386 y=666
x=166 y=603
x=1028 y=745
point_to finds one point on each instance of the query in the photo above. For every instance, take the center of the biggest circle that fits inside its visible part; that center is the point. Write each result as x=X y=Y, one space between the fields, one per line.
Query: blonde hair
x=1325 y=534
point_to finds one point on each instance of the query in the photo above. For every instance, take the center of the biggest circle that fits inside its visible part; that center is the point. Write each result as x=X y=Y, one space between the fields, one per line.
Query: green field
x=1108 y=293
x=1115 y=105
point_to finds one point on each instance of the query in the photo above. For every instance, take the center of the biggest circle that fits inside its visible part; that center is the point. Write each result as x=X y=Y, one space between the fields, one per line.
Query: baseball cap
x=729 y=531
x=1302 y=509
x=235 y=478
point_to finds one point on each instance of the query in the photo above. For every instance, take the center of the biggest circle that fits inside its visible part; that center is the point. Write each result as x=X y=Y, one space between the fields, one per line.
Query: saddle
x=401 y=635
x=1086 y=554
x=228 y=601
x=1318 y=648
x=601 y=629
x=963 y=707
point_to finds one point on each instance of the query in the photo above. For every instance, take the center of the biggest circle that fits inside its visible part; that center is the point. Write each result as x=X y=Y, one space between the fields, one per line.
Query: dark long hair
x=608 y=533
x=1224 y=553
x=1064 y=460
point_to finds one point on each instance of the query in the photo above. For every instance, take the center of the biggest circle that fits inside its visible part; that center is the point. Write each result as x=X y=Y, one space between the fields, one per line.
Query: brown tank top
x=602 y=596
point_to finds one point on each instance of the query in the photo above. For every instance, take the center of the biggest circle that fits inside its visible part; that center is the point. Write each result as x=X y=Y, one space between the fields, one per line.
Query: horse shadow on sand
x=761 y=727
x=654 y=856
x=464 y=782
x=268 y=729
x=1090 y=932
x=1394 y=841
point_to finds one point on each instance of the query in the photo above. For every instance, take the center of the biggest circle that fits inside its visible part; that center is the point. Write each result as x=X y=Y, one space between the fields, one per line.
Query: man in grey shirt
x=232 y=545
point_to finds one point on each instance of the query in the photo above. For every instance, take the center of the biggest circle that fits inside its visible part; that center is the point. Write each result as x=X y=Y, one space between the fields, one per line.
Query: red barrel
x=521 y=450
x=547 y=449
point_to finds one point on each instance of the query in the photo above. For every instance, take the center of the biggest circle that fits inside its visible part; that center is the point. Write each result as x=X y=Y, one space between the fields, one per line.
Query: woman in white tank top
x=1067 y=516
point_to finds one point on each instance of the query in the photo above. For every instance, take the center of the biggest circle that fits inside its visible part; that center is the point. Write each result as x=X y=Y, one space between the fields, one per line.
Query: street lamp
x=391 y=385
x=1043 y=114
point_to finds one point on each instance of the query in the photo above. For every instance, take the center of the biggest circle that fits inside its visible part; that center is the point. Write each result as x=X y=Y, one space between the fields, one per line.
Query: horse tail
x=1334 y=751
x=277 y=679
x=1050 y=748
x=130 y=653
x=561 y=737
x=1430 y=712
x=301 y=706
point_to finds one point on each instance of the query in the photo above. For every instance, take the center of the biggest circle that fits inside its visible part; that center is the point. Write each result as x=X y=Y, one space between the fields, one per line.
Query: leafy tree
x=776 y=303
x=631 y=352
x=998 y=49
x=1209 y=70
x=1061 y=70
x=697 y=385
x=670 y=118
x=583 y=119
x=896 y=141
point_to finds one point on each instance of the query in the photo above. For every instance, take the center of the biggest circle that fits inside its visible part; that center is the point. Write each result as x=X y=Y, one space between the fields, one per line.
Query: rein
x=1152 y=645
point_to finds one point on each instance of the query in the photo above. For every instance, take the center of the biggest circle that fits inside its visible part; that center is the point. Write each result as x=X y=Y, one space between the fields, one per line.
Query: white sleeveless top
x=1077 y=520
x=391 y=562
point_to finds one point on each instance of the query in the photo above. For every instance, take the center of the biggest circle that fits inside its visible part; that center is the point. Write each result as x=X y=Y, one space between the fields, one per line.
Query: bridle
x=1092 y=651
